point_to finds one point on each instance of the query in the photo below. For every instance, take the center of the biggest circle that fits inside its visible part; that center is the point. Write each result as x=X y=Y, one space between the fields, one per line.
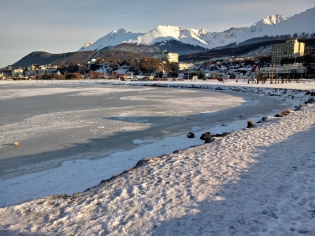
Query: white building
x=2 y=75
x=17 y=73
x=167 y=56
x=297 y=68
x=180 y=66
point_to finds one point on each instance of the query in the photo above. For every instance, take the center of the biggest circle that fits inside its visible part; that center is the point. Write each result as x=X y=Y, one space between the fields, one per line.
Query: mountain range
x=300 y=25
x=190 y=44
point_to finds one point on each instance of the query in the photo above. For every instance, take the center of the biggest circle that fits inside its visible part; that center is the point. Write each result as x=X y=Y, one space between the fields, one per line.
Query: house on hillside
x=219 y=59
x=50 y=66
x=114 y=75
x=129 y=75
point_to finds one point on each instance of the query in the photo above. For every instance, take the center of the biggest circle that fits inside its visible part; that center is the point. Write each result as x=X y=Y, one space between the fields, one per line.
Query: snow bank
x=257 y=181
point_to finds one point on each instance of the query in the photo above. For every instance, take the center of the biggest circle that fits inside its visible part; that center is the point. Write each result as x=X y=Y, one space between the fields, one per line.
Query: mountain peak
x=120 y=31
x=266 y=22
x=86 y=45
x=273 y=19
x=202 y=32
x=166 y=28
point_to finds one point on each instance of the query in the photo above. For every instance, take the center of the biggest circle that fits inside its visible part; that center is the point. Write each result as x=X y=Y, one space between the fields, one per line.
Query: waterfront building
x=290 y=49
x=286 y=70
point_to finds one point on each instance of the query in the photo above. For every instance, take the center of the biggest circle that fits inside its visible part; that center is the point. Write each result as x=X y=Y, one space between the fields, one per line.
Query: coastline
x=195 y=178
x=88 y=163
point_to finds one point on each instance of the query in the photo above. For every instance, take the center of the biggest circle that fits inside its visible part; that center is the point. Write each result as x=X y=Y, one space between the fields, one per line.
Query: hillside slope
x=44 y=58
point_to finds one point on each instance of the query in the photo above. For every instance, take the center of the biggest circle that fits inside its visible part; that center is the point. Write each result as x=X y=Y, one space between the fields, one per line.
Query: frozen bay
x=74 y=135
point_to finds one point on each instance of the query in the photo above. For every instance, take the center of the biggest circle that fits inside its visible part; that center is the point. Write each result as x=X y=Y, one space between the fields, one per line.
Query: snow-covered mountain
x=271 y=26
x=86 y=45
x=112 y=39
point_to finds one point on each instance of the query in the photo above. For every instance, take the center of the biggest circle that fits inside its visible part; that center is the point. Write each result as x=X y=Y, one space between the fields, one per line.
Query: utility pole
x=271 y=75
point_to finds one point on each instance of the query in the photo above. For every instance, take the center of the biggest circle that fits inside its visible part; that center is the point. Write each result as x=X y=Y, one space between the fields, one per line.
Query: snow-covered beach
x=82 y=133
x=256 y=181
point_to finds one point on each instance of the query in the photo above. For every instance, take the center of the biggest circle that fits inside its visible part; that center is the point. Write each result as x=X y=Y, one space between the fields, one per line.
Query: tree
x=207 y=63
x=149 y=64
x=249 y=62
x=264 y=59
x=307 y=59
x=287 y=60
x=82 y=69
x=91 y=74
x=73 y=67
x=131 y=62
x=95 y=67
x=71 y=76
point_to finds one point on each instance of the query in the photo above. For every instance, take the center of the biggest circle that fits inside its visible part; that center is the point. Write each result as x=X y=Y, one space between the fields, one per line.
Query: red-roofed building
x=97 y=75
x=255 y=68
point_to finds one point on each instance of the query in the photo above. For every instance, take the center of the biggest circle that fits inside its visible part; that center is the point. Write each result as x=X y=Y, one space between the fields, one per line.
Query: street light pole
x=272 y=75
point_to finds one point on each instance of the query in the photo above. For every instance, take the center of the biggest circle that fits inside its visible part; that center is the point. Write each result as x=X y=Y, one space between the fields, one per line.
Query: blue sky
x=58 y=26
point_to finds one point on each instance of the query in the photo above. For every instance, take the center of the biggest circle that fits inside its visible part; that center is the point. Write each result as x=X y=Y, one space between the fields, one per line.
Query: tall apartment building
x=290 y=49
x=165 y=55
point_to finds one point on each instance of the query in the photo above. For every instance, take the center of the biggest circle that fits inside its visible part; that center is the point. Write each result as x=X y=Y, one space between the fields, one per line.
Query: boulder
x=207 y=137
x=250 y=124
